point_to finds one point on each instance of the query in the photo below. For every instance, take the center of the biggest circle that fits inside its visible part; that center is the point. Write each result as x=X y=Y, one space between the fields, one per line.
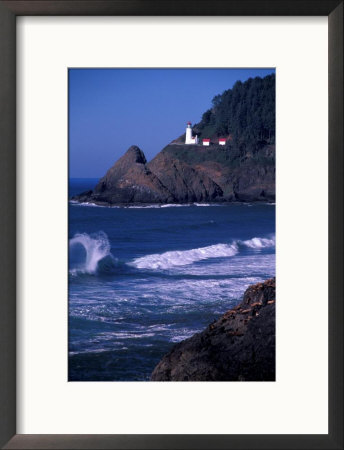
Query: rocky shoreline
x=239 y=346
x=161 y=205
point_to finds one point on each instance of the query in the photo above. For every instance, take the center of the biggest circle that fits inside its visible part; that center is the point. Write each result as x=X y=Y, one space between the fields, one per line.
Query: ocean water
x=143 y=278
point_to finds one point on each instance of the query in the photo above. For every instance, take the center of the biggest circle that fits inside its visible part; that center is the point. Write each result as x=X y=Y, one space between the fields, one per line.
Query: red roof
x=206 y=140
x=222 y=139
x=188 y=123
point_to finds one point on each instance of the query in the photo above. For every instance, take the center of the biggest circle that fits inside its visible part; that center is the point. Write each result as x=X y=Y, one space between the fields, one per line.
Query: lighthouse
x=189 y=139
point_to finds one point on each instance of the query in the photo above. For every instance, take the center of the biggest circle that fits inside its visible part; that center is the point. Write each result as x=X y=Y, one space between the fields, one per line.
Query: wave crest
x=96 y=253
x=168 y=260
x=171 y=259
x=259 y=242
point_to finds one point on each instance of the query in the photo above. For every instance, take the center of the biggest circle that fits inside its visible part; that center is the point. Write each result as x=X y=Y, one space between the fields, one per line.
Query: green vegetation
x=228 y=156
x=246 y=113
x=199 y=154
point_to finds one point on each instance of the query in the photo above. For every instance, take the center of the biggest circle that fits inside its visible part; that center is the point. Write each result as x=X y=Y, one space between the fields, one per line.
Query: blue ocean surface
x=144 y=278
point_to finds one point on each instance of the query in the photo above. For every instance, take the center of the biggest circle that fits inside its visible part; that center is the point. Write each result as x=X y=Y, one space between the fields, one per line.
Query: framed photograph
x=172 y=236
x=185 y=226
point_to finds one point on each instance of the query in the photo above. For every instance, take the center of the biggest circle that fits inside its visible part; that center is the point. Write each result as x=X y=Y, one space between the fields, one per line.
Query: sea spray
x=97 y=251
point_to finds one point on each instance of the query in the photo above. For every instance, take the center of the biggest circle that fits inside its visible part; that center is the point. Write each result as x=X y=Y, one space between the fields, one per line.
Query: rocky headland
x=242 y=170
x=184 y=174
x=239 y=346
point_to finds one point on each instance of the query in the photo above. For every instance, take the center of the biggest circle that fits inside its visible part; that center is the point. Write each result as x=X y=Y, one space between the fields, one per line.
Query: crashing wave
x=168 y=260
x=259 y=242
x=95 y=253
x=171 y=259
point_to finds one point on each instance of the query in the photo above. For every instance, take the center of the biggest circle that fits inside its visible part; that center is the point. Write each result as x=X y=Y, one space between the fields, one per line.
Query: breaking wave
x=90 y=253
x=168 y=260
x=259 y=242
x=184 y=257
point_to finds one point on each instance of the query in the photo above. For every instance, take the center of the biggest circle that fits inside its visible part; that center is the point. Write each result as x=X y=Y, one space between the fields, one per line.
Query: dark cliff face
x=185 y=182
x=236 y=176
x=240 y=346
x=186 y=173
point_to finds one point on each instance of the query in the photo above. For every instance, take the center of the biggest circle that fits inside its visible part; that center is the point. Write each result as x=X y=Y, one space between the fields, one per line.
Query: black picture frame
x=9 y=10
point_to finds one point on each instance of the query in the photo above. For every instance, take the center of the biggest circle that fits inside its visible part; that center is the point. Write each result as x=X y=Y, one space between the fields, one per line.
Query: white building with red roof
x=206 y=142
x=222 y=141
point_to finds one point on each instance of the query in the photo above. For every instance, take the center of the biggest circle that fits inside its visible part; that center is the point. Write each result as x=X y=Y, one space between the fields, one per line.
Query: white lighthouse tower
x=189 y=139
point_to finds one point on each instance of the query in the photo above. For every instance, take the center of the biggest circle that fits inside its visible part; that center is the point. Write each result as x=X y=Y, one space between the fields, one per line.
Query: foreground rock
x=240 y=346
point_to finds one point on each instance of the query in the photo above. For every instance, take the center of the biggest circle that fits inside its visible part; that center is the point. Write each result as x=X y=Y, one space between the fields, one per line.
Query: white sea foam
x=153 y=206
x=129 y=335
x=97 y=247
x=148 y=206
x=170 y=205
x=174 y=205
x=182 y=334
x=254 y=265
x=141 y=206
x=168 y=260
x=171 y=259
x=259 y=242
x=94 y=205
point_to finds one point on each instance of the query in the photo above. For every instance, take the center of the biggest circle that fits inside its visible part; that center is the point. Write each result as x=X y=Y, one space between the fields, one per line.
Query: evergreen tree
x=246 y=113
